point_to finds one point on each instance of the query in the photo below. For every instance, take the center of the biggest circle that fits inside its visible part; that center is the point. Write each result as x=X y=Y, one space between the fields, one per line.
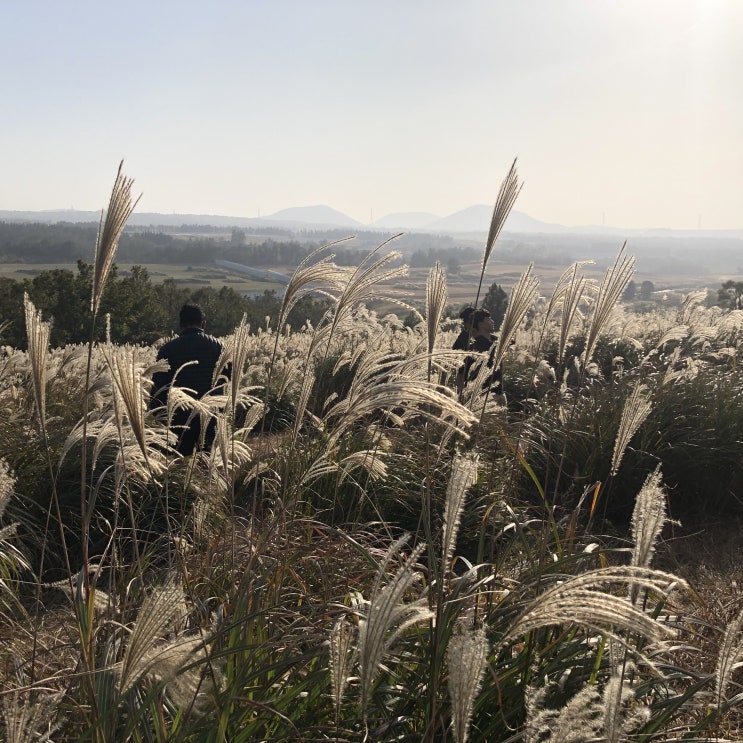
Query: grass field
x=364 y=555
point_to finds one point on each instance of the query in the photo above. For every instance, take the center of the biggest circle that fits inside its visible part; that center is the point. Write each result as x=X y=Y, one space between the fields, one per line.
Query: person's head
x=482 y=323
x=192 y=316
x=466 y=316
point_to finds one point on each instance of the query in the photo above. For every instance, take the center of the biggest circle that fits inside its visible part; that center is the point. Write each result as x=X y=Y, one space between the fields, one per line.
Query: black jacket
x=193 y=344
x=493 y=380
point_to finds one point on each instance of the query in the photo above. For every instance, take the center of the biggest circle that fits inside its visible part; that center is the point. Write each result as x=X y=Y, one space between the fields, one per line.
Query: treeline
x=423 y=258
x=140 y=311
x=67 y=243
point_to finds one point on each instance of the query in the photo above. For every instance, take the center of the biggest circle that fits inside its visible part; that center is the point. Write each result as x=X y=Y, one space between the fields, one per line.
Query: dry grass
x=258 y=571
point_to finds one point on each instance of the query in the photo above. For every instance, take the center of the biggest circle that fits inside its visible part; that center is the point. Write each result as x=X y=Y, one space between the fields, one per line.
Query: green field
x=462 y=286
x=188 y=276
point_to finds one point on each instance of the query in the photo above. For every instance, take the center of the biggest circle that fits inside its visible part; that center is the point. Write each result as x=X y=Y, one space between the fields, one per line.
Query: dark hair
x=466 y=314
x=191 y=316
x=479 y=316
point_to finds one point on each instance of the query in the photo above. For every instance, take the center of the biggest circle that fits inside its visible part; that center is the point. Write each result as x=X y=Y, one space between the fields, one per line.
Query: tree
x=646 y=290
x=495 y=302
x=238 y=237
x=135 y=307
x=730 y=295
x=630 y=292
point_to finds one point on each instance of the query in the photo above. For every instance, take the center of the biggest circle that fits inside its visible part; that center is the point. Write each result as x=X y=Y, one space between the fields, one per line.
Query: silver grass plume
x=9 y=554
x=729 y=657
x=38 y=350
x=342 y=658
x=235 y=351
x=621 y=716
x=73 y=587
x=308 y=383
x=674 y=334
x=636 y=410
x=579 y=720
x=7 y=484
x=523 y=296
x=509 y=190
x=129 y=389
x=369 y=460
x=615 y=693
x=382 y=382
x=648 y=518
x=386 y=617
x=180 y=665
x=580 y=600
x=160 y=612
x=110 y=227
x=230 y=455
x=466 y=657
x=689 y=304
x=463 y=476
x=369 y=273
x=436 y=295
x=309 y=272
x=571 y=293
x=143 y=456
x=610 y=291
x=592 y=714
x=30 y=719
x=412 y=394
x=362 y=285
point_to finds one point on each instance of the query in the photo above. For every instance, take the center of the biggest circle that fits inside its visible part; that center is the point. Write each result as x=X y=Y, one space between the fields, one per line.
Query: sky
x=627 y=113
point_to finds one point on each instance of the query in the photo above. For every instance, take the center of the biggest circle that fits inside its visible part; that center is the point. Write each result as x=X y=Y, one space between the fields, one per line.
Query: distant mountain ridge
x=319 y=215
x=474 y=220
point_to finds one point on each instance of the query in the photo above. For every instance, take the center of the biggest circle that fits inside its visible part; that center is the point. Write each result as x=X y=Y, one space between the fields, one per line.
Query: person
x=482 y=328
x=462 y=343
x=192 y=345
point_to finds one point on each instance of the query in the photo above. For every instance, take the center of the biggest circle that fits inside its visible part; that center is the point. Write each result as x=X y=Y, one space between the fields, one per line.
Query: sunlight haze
x=626 y=113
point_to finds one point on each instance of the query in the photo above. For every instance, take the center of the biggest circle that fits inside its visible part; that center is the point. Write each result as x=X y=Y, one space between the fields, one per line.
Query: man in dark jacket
x=483 y=341
x=192 y=345
x=462 y=343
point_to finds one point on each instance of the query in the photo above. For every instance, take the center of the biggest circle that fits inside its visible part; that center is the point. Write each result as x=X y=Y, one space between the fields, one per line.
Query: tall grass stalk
x=612 y=286
x=729 y=657
x=636 y=410
x=386 y=616
x=467 y=656
x=110 y=227
x=507 y=195
x=610 y=291
x=436 y=294
x=38 y=333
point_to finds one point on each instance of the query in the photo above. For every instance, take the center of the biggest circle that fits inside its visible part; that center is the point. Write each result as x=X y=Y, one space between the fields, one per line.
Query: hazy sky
x=623 y=111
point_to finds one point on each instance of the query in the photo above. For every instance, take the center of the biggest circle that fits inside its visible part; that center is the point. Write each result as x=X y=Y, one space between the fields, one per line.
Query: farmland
x=192 y=277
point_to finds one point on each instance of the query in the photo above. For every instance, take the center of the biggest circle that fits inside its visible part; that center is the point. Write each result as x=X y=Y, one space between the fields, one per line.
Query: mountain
x=477 y=219
x=464 y=223
x=312 y=215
